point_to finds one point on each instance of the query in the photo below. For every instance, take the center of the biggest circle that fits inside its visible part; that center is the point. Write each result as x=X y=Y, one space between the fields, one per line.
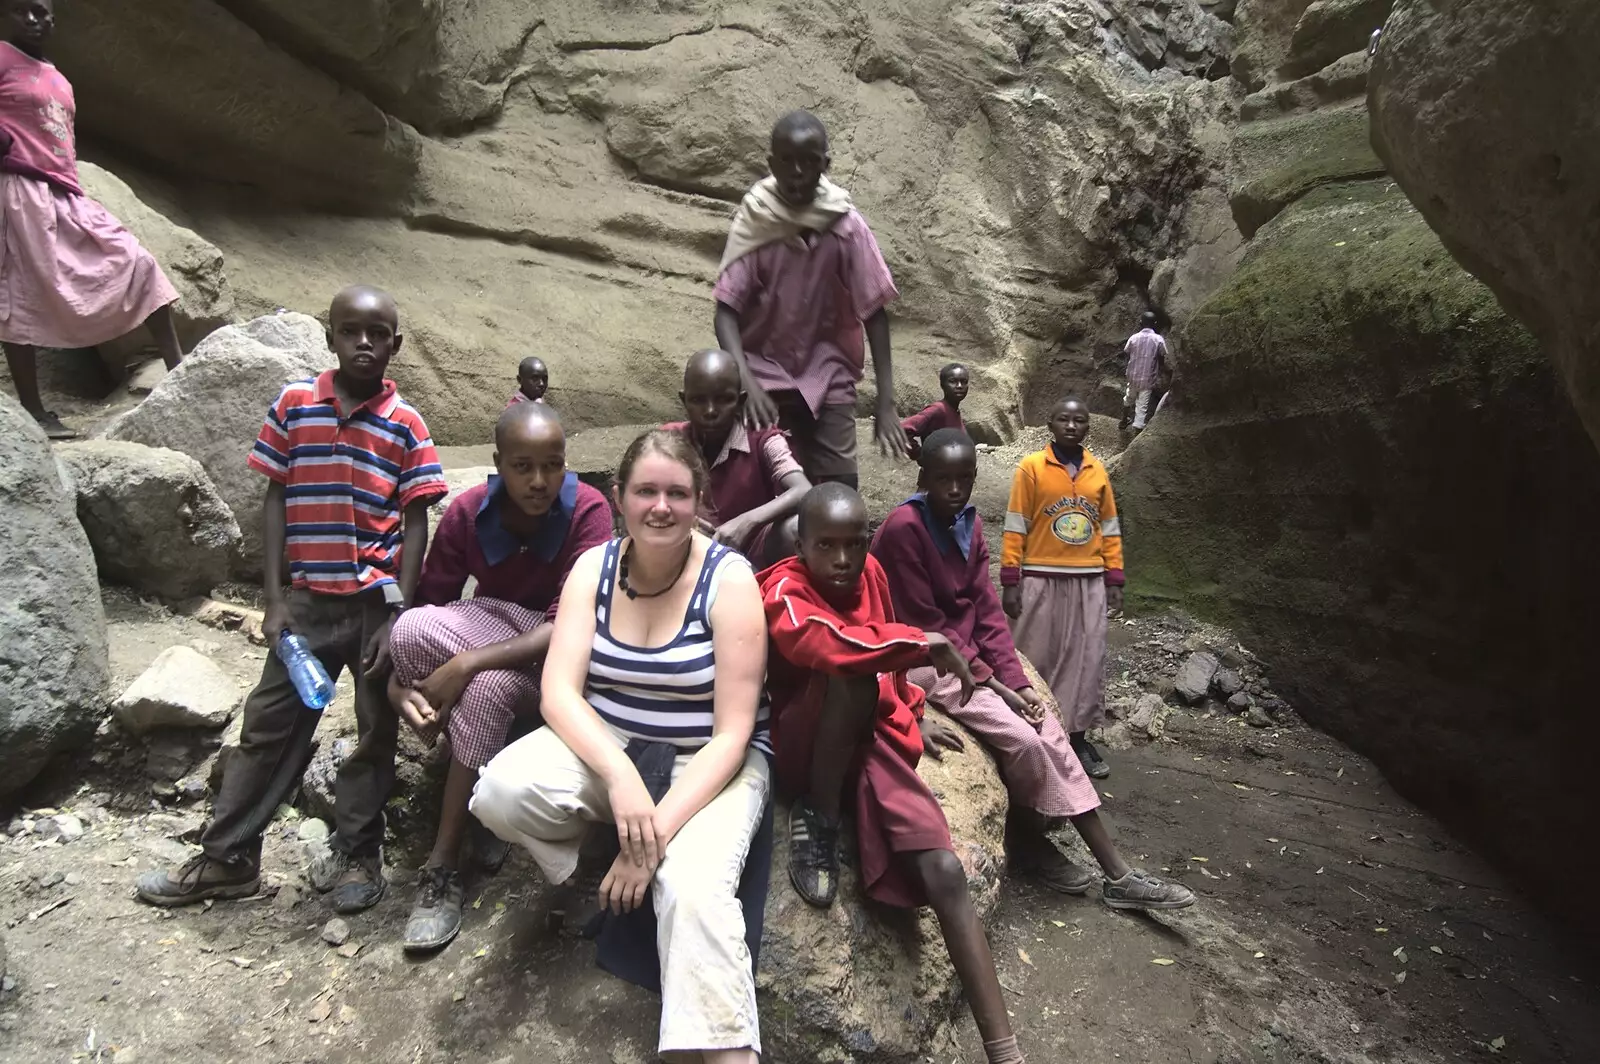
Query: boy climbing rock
x=800 y=278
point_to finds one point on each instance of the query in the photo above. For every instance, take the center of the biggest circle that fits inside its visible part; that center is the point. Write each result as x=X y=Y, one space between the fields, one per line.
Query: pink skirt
x=1062 y=630
x=70 y=274
x=1040 y=769
x=425 y=637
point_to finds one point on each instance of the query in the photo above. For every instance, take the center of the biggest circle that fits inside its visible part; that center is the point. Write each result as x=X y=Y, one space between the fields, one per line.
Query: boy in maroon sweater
x=954 y=380
x=756 y=483
x=932 y=549
x=467 y=666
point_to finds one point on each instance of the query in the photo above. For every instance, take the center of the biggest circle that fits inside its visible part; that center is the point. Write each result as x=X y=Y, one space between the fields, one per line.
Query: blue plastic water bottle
x=310 y=679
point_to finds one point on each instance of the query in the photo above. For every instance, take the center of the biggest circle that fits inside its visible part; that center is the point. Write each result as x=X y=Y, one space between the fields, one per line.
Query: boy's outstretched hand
x=1114 y=600
x=937 y=736
x=947 y=659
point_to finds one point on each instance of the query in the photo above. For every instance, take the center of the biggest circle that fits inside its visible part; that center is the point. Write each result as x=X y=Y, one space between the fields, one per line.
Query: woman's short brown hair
x=670 y=445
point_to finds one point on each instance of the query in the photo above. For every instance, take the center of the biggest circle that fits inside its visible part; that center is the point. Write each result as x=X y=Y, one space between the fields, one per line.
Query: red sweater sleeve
x=445 y=569
x=813 y=636
x=898 y=547
x=917 y=424
x=591 y=526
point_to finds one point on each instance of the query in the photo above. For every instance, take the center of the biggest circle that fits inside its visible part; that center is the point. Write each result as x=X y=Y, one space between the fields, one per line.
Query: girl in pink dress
x=70 y=274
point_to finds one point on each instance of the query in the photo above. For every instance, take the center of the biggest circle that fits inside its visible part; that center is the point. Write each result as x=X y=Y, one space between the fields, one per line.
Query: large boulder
x=153 y=516
x=54 y=668
x=1374 y=478
x=192 y=263
x=1480 y=110
x=856 y=981
x=211 y=408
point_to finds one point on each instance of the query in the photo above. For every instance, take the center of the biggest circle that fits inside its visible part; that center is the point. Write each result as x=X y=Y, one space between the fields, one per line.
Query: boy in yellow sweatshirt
x=1061 y=569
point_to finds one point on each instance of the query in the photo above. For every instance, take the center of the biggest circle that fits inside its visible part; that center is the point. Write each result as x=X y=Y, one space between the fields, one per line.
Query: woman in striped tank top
x=659 y=638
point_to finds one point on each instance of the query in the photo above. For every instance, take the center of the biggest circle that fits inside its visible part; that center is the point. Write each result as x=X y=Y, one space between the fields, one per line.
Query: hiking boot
x=1141 y=890
x=326 y=869
x=53 y=428
x=813 y=855
x=436 y=917
x=1051 y=868
x=199 y=878
x=361 y=886
x=1090 y=759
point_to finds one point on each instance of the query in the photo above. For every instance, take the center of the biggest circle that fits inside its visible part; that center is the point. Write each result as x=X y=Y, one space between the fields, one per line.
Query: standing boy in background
x=533 y=380
x=1060 y=568
x=954 y=380
x=755 y=484
x=1146 y=352
x=352 y=473
x=800 y=277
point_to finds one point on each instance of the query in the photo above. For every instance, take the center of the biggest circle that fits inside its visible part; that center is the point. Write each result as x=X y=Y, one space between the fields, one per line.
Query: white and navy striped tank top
x=663 y=694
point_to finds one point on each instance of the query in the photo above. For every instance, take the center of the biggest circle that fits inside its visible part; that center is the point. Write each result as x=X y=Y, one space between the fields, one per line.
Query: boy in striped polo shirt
x=353 y=472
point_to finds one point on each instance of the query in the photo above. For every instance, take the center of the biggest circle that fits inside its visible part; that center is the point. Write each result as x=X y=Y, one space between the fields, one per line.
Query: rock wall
x=557 y=178
x=1372 y=472
x=1472 y=106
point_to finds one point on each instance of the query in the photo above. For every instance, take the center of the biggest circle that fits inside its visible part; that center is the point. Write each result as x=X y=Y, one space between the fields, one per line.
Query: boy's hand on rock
x=947 y=659
x=1011 y=600
x=937 y=736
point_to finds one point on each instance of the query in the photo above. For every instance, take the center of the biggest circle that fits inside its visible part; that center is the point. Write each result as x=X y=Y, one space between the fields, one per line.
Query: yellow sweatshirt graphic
x=1058 y=524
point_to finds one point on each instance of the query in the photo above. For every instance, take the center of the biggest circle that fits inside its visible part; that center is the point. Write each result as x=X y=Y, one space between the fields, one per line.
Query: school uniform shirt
x=38 y=109
x=748 y=472
x=348 y=478
x=932 y=418
x=518 y=397
x=939 y=581
x=801 y=304
x=472 y=540
x=1060 y=525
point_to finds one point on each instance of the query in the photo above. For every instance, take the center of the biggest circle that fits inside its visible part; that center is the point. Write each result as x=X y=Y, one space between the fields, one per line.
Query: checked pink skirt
x=426 y=637
x=1040 y=769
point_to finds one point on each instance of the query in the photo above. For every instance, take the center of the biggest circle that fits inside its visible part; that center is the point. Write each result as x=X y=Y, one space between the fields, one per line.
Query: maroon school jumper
x=941 y=591
x=932 y=418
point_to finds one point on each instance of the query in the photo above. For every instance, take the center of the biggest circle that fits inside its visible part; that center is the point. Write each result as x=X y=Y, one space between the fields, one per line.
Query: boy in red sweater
x=932 y=550
x=844 y=717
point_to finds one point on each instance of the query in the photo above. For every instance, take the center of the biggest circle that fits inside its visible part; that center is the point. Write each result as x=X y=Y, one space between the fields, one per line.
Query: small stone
x=1193 y=681
x=143 y=381
x=63 y=826
x=1240 y=702
x=51 y=879
x=1227 y=683
x=336 y=932
x=125 y=1055
x=288 y=897
x=349 y=950
x=8 y=984
x=193 y=788
x=314 y=830
x=1259 y=718
x=164 y=790
x=73 y=880
x=1149 y=716
x=19 y=826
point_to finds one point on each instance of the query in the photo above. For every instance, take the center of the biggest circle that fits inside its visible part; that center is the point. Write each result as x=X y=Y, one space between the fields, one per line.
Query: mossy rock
x=1330 y=29
x=1278 y=161
x=1371 y=472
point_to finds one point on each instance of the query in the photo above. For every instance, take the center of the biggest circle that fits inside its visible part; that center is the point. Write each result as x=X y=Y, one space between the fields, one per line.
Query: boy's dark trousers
x=276 y=743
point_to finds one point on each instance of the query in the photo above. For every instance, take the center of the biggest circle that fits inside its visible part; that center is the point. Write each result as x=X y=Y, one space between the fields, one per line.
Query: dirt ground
x=1336 y=924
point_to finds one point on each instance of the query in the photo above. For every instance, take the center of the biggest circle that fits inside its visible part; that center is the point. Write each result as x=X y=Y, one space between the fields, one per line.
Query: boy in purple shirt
x=954 y=381
x=467 y=666
x=533 y=380
x=932 y=549
x=756 y=486
x=800 y=277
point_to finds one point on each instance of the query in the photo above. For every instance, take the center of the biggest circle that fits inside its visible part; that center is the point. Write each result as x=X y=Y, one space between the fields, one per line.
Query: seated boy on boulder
x=466 y=667
x=954 y=380
x=352 y=473
x=931 y=548
x=756 y=484
x=846 y=722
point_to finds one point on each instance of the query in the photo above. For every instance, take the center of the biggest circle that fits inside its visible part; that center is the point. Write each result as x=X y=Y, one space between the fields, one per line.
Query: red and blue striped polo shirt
x=347 y=480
